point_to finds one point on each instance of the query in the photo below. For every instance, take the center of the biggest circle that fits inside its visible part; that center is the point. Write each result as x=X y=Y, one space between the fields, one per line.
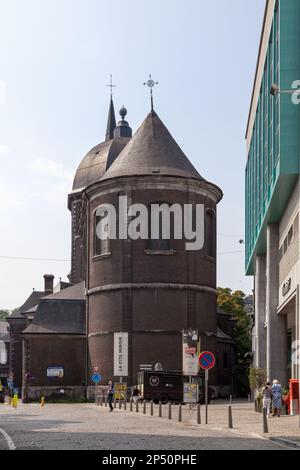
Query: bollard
x=265 y=422
x=120 y=403
x=190 y=406
x=151 y=407
x=15 y=401
x=115 y=403
x=42 y=401
x=137 y=406
x=144 y=407
x=159 y=410
x=230 y=422
x=9 y=400
x=180 y=413
x=125 y=404
x=198 y=414
x=170 y=411
x=106 y=401
x=130 y=404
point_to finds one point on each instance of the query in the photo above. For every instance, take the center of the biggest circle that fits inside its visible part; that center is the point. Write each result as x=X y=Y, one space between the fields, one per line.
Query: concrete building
x=273 y=192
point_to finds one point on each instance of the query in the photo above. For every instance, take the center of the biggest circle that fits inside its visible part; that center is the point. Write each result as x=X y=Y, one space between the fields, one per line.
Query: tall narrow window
x=101 y=244
x=159 y=242
x=211 y=233
x=3 y=353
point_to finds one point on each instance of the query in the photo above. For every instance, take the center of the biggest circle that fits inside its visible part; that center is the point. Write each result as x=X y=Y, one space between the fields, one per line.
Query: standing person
x=110 y=395
x=267 y=398
x=277 y=398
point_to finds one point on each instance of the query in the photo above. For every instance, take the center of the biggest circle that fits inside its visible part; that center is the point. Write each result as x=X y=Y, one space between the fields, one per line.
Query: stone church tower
x=151 y=289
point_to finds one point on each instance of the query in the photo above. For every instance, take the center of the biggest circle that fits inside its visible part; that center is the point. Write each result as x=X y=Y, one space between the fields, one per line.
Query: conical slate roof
x=152 y=150
x=111 y=121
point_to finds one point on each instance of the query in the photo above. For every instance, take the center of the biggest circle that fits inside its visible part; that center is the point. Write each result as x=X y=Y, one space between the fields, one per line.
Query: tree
x=4 y=314
x=233 y=304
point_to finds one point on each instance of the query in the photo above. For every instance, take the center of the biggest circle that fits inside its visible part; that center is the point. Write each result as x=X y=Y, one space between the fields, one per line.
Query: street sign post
x=207 y=361
x=96 y=378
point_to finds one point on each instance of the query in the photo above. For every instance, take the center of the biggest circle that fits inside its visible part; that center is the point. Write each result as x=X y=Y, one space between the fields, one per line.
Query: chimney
x=48 y=278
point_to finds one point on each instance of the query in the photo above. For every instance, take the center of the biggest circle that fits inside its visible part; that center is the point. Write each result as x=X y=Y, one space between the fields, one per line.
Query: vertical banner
x=121 y=354
x=190 y=352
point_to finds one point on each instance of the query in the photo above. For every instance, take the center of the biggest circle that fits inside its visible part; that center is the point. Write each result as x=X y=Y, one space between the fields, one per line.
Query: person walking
x=110 y=395
x=277 y=398
x=267 y=398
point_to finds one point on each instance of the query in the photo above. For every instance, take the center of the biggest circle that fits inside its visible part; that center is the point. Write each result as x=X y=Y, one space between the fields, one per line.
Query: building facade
x=272 y=192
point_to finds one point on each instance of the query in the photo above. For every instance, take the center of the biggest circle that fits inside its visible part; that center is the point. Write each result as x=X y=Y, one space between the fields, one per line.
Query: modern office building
x=273 y=192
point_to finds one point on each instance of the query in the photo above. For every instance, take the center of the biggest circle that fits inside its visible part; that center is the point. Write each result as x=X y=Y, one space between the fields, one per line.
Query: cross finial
x=111 y=86
x=151 y=83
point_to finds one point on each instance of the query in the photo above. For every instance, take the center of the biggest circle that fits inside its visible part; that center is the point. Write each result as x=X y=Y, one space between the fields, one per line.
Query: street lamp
x=274 y=91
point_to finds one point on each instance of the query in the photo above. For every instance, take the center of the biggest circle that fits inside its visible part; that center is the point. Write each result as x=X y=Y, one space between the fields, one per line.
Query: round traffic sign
x=207 y=360
x=96 y=378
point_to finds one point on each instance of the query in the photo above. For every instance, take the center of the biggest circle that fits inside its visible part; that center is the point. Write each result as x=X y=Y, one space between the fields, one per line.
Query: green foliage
x=257 y=378
x=233 y=303
x=4 y=314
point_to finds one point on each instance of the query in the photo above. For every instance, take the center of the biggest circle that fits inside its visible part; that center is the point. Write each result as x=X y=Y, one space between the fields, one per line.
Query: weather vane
x=111 y=86
x=151 y=83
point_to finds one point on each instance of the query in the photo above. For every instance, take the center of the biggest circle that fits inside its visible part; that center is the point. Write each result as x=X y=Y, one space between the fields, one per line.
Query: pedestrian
x=277 y=398
x=267 y=398
x=136 y=394
x=110 y=395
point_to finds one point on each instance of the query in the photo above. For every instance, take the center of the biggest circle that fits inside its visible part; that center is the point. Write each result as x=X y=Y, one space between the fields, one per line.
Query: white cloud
x=51 y=168
x=4 y=149
x=3 y=92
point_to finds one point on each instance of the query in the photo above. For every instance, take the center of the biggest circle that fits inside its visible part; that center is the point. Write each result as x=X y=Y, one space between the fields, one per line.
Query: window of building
x=3 y=353
x=211 y=234
x=160 y=243
x=101 y=245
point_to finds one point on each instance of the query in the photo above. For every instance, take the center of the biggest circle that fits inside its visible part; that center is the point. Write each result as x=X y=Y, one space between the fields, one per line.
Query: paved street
x=85 y=426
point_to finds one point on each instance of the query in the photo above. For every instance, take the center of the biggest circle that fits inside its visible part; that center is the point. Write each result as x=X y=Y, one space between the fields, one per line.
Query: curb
x=285 y=442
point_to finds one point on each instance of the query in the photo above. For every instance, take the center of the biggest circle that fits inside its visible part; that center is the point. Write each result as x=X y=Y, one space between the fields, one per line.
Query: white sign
x=189 y=352
x=55 y=372
x=121 y=354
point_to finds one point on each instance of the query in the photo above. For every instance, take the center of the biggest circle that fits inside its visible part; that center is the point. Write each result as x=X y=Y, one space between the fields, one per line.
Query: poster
x=190 y=393
x=190 y=352
x=55 y=372
x=120 y=390
x=120 y=354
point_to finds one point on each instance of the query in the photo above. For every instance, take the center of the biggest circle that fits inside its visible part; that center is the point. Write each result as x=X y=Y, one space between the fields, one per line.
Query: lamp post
x=295 y=93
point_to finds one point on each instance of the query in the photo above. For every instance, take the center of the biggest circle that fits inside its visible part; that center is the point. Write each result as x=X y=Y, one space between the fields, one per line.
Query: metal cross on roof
x=111 y=86
x=150 y=83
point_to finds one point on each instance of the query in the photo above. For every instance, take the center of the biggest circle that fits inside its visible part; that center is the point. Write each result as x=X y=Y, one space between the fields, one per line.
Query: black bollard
x=120 y=403
x=125 y=404
x=130 y=404
x=115 y=403
x=137 y=406
x=230 y=422
x=265 y=422
x=151 y=407
x=198 y=414
x=180 y=413
x=106 y=401
x=144 y=407
x=170 y=411
x=159 y=410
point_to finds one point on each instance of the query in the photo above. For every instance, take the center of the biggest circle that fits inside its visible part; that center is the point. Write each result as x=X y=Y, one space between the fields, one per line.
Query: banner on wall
x=121 y=354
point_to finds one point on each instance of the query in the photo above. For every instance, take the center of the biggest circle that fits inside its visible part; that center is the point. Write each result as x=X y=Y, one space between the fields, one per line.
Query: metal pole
x=170 y=411
x=159 y=410
x=151 y=407
x=144 y=407
x=180 y=413
x=137 y=406
x=206 y=396
x=230 y=422
x=125 y=403
x=130 y=404
x=198 y=414
x=265 y=422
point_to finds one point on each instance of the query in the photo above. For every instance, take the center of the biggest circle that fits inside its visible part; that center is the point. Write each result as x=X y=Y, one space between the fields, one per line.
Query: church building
x=125 y=297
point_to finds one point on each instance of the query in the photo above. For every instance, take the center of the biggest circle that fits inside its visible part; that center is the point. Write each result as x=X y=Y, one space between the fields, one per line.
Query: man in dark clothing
x=110 y=395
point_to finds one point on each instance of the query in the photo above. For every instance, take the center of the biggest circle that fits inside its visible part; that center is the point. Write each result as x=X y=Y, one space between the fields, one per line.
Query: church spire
x=111 y=121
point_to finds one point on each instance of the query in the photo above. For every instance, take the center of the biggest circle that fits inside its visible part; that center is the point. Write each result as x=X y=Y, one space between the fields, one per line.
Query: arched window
x=3 y=353
x=211 y=233
x=158 y=219
x=101 y=244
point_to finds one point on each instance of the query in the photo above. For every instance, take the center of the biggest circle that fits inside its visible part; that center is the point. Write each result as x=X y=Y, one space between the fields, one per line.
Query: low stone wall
x=54 y=393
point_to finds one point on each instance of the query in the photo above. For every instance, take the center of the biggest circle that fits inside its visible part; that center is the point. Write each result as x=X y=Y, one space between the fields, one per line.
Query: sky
x=56 y=57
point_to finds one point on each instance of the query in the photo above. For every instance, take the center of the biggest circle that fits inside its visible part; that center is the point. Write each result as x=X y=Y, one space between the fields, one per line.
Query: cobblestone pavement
x=86 y=426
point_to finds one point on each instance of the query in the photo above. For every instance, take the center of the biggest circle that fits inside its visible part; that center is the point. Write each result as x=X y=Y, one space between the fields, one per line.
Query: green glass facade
x=273 y=159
